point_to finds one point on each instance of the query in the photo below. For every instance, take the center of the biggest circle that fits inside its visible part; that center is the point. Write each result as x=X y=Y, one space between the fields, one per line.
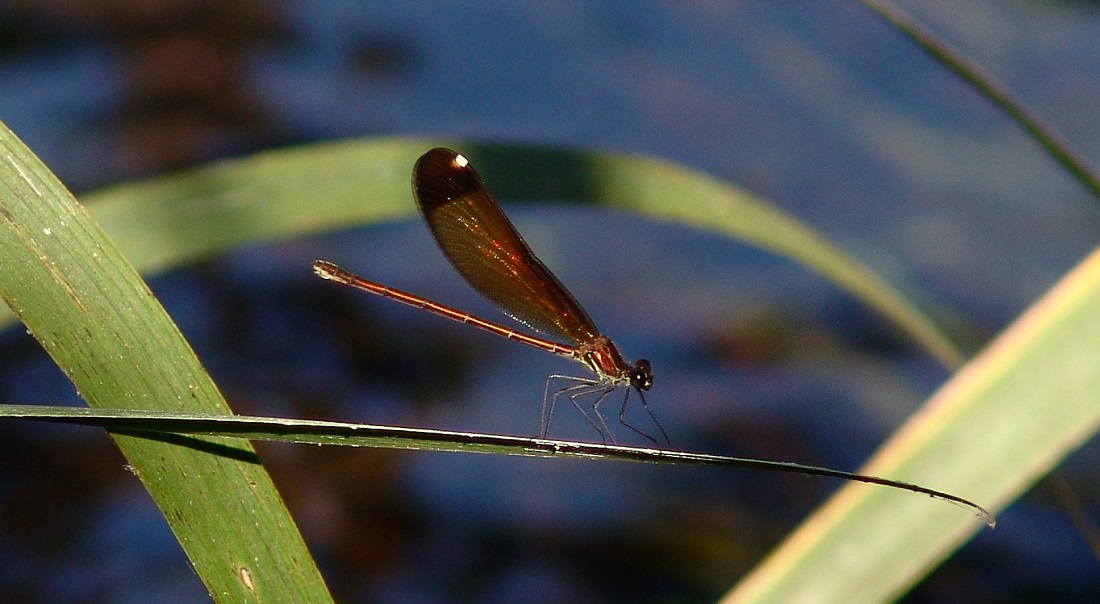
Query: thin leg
x=547 y=408
x=550 y=401
x=585 y=390
x=584 y=387
x=645 y=405
x=605 y=431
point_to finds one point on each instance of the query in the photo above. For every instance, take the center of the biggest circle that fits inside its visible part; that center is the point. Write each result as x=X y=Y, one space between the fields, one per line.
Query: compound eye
x=641 y=375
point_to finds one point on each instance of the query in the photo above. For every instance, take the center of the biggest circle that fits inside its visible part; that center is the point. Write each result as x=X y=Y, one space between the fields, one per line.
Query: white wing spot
x=461 y=161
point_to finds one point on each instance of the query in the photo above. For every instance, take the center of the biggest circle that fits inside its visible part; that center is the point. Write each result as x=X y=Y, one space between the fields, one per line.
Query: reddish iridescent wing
x=483 y=246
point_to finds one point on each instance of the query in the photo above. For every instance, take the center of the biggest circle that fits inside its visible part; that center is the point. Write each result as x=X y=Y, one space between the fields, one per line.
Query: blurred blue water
x=815 y=106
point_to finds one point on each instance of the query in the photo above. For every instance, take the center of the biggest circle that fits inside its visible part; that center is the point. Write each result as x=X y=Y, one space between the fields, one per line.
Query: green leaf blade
x=167 y=221
x=1005 y=420
x=96 y=318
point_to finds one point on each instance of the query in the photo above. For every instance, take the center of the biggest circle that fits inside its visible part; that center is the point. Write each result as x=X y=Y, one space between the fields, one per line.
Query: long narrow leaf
x=167 y=221
x=1036 y=127
x=1005 y=420
x=162 y=425
x=96 y=318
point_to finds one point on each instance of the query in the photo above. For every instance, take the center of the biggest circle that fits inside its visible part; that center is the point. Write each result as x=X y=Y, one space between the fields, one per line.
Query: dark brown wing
x=483 y=246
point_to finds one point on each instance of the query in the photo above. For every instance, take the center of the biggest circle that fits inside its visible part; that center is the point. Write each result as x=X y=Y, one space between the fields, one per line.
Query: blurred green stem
x=1057 y=146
